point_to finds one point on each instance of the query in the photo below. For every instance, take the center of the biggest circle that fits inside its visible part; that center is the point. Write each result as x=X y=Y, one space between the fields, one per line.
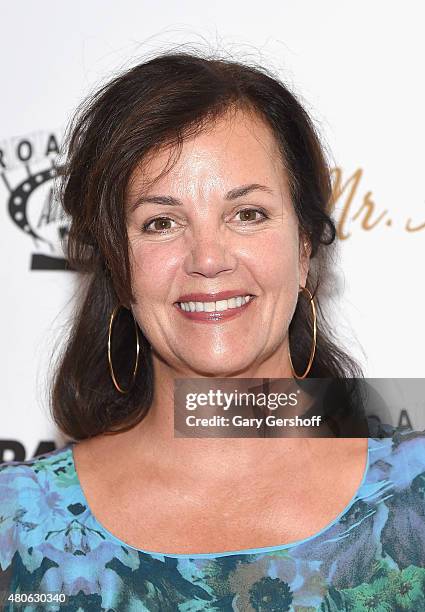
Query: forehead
x=237 y=148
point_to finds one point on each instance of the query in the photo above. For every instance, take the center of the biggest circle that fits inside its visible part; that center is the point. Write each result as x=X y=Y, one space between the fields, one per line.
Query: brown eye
x=160 y=224
x=248 y=214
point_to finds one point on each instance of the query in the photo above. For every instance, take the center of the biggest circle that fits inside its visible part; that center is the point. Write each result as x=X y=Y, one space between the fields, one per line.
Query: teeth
x=219 y=306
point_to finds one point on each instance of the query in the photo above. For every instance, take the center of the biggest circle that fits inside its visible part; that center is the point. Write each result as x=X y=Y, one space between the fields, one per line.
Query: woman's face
x=220 y=221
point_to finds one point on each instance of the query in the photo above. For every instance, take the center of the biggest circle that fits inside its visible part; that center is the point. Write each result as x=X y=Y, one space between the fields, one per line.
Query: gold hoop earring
x=114 y=380
x=313 y=349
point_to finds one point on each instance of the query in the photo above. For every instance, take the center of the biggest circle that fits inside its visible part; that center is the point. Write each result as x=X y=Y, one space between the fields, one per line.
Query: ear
x=304 y=258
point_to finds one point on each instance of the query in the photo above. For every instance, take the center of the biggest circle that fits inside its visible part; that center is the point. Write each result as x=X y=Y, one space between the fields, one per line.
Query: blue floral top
x=370 y=558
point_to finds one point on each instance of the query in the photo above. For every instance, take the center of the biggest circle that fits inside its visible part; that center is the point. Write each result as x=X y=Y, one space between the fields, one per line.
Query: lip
x=212 y=297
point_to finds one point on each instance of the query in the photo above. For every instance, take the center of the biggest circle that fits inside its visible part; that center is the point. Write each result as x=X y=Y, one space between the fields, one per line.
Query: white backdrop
x=358 y=68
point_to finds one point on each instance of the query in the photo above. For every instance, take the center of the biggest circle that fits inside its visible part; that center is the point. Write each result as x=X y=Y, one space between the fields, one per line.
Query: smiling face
x=221 y=221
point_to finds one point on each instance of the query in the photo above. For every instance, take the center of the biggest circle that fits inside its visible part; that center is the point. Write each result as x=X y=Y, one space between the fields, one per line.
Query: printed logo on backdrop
x=355 y=208
x=28 y=169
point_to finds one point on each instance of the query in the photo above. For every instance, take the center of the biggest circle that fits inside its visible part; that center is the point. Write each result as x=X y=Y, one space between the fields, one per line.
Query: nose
x=209 y=253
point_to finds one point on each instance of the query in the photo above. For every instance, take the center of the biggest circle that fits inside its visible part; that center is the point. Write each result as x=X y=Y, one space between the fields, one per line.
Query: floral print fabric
x=370 y=558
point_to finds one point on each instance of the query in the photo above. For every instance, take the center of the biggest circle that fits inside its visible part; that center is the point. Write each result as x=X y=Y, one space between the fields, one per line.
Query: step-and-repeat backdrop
x=356 y=66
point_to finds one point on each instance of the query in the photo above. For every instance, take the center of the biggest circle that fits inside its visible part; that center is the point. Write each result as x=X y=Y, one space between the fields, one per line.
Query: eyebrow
x=233 y=194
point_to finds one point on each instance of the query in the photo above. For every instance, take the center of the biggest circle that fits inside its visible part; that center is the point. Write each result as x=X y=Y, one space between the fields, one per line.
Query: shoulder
x=19 y=479
x=399 y=440
x=399 y=457
x=30 y=491
x=14 y=474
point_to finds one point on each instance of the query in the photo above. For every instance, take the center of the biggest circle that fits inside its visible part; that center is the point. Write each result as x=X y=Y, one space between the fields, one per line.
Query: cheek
x=153 y=270
x=275 y=260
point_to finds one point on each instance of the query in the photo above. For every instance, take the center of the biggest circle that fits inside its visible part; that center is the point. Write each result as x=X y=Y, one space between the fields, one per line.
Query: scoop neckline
x=246 y=551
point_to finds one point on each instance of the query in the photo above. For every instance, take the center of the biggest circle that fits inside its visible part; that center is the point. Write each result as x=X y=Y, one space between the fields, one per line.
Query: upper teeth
x=220 y=305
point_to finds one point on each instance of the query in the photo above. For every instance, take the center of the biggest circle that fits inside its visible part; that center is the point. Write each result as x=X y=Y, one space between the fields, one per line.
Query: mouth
x=214 y=307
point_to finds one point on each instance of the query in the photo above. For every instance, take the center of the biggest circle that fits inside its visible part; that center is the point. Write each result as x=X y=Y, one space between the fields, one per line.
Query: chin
x=218 y=369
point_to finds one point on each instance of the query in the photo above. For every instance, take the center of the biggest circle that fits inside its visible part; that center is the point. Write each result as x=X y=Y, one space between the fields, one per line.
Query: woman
x=198 y=192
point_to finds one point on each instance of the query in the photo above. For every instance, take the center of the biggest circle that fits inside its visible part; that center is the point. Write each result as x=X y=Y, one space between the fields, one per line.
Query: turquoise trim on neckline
x=248 y=551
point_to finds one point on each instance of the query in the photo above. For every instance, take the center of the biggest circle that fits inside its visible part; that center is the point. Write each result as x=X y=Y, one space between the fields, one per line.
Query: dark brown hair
x=158 y=103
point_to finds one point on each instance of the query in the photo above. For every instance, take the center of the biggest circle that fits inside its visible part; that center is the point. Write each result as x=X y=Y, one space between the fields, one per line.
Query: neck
x=214 y=458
